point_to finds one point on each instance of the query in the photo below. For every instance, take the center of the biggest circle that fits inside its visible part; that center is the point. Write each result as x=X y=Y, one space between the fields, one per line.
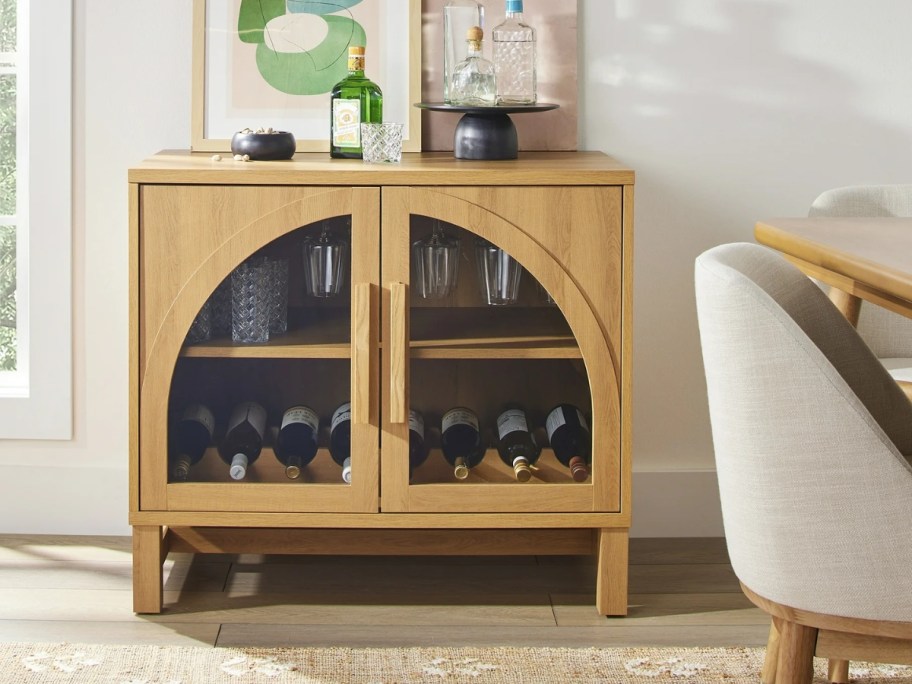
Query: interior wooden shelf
x=491 y=332
x=267 y=468
x=436 y=470
x=436 y=333
x=323 y=470
x=318 y=333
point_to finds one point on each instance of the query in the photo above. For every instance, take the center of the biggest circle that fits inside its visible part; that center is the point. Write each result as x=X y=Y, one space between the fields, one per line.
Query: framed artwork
x=273 y=63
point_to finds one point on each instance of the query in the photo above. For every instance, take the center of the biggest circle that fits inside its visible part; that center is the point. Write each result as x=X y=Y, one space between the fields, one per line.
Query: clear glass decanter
x=473 y=80
x=514 y=58
x=458 y=17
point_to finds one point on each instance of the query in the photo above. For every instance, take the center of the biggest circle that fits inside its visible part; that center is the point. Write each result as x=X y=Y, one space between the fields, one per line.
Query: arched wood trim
x=168 y=339
x=596 y=346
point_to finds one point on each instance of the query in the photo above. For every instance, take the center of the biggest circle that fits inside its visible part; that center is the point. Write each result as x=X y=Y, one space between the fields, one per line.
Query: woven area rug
x=95 y=664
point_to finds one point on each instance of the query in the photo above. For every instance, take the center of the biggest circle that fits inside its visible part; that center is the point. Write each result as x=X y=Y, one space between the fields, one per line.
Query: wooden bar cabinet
x=566 y=217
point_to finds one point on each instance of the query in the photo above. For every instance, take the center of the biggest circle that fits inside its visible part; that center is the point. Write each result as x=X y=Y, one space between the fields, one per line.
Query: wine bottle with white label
x=516 y=443
x=418 y=453
x=296 y=444
x=570 y=438
x=243 y=439
x=190 y=437
x=460 y=440
x=340 y=439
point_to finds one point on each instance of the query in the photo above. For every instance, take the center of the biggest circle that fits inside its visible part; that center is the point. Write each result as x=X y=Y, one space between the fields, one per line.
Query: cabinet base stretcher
x=152 y=543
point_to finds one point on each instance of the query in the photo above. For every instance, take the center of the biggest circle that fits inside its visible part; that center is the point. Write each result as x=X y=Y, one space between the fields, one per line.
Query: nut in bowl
x=263 y=144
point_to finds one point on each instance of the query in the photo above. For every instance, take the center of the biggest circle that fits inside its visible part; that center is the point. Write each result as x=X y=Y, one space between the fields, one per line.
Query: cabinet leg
x=147 y=568
x=611 y=582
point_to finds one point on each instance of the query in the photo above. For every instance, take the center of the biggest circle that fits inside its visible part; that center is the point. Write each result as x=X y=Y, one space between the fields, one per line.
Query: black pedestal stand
x=486 y=132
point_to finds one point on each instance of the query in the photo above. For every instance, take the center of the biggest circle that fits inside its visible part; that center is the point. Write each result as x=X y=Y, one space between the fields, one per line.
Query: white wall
x=729 y=110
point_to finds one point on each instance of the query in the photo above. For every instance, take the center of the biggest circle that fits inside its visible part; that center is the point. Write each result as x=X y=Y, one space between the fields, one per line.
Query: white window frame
x=40 y=404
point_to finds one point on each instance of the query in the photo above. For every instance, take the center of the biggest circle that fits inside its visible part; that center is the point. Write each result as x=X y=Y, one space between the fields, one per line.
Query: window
x=35 y=219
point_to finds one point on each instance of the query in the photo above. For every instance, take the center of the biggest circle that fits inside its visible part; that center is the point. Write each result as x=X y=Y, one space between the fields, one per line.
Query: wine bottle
x=418 y=453
x=192 y=434
x=570 y=438
x=296 y=444
x=516 y=443
x=354 y=100
x=472 y=82
x=243 y=439
x=460 y=439
x=340 y=439
x=514 y=58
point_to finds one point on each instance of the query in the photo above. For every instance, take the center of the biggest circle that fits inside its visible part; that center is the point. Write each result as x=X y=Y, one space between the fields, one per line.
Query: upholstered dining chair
x=811 y=438
x=888 y=334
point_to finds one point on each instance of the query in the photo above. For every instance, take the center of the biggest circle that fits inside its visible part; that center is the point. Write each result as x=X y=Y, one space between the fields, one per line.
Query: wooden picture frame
x=237 y=84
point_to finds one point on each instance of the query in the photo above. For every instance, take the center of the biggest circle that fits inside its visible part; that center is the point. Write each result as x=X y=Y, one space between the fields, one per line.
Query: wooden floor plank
x=135 y=633
x=380 y=636
x=683 y=593
x=314 y=609
x=578 y=610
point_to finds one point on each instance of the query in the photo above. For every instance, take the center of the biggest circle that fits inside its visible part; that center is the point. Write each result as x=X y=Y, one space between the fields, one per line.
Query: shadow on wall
x=729 y=111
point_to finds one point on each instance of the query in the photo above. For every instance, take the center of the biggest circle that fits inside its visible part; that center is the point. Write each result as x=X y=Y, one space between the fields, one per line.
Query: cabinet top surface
x=425 y=168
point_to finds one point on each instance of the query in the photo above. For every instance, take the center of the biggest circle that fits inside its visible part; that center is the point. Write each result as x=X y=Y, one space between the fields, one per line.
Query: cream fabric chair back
x=809 y=433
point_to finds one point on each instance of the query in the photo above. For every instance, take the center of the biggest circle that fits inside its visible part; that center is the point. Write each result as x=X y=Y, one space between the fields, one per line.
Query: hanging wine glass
x=324 y=263
x=499 y=274
x=436 y=260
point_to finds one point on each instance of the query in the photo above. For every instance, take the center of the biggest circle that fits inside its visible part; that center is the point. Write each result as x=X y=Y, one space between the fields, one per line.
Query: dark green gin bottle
x=354 y=100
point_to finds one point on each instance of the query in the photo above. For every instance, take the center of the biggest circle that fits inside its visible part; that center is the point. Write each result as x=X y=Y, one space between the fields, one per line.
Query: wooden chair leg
x=796 y=653
x=849 y=305
x=838 y=671
x=768 y=673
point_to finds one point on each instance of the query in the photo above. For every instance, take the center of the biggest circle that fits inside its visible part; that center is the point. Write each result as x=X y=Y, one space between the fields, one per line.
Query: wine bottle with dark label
x=192 y=434
x=570 y=439
x=296 y=444
x=418 y=452
x=516 y=443
x=340 y=439
x=243 y=439
x=460 y=440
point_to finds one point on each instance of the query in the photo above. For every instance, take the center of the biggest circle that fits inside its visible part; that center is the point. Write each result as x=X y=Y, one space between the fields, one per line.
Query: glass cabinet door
x=491 y=404
x=260 y=412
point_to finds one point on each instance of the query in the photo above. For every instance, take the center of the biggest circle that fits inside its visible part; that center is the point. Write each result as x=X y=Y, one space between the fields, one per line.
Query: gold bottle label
x=356 y=62
x=346 y=123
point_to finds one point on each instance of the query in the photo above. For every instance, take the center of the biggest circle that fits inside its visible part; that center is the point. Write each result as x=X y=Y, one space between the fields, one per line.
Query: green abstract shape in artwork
x=253 y=17
x=316 y=71
x=320 y=6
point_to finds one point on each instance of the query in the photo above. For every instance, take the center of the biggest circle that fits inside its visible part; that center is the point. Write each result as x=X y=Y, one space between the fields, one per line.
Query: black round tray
x=486 y=132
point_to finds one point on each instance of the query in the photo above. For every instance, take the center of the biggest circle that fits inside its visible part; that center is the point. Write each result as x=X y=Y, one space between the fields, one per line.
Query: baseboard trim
x=676 y=504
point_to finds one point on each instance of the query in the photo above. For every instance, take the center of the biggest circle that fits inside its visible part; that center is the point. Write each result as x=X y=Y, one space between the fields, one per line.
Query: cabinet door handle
x=361 y=383
x=399 y=353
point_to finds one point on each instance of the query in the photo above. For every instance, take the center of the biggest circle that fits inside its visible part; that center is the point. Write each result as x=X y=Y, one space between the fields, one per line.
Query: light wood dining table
x=860 y=258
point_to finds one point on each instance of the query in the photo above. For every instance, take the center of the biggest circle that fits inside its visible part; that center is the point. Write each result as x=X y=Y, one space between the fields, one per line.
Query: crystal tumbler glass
x=201 y=328
x=381 y=142
x=278 y=292
x=251 y=301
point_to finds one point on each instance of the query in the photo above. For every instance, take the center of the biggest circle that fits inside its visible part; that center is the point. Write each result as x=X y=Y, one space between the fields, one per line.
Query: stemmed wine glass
x=436 y=260
x=324 y=263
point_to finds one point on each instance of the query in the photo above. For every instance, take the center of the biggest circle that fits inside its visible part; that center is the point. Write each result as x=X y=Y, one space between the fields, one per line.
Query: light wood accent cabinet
x=566 y=217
